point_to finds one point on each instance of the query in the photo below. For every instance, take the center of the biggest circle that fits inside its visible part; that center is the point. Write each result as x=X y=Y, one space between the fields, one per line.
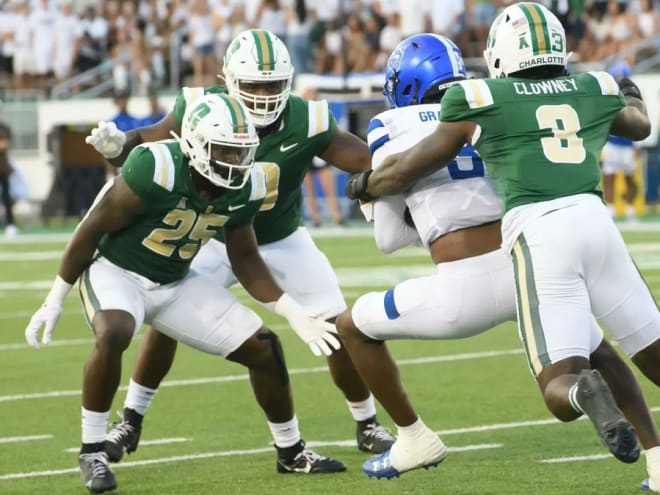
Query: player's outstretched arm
x=253 y=274
x=115 y=145
x=115 y=208
x=347 y=152
x=632 y=121
x=248 y=265
x=400 y=171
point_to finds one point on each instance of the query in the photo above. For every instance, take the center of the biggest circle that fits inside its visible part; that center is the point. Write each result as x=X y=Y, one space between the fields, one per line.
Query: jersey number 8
x=564 y=146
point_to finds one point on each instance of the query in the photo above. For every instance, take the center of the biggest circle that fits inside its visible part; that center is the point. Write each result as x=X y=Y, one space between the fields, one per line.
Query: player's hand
x=318 y=334
x=107 y=139
x=47 y=316
x=356 y=187
x=629 y=88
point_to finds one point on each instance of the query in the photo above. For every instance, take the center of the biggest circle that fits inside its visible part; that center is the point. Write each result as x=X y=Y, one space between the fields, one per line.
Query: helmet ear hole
x=406 y=91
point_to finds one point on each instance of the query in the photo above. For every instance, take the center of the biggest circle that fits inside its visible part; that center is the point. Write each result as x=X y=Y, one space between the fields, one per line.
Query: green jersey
x=540 y=139
x=176 y=221
x=284 y=155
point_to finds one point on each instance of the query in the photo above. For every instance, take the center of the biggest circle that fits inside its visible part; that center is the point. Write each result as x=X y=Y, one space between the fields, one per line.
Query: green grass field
x=205 y=433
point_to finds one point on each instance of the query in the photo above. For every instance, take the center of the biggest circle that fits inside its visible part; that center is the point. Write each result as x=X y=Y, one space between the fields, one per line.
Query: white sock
x=139 y=397
x=572 y=398
x=413 y=431
x=364 y=409
x=630 y=211
x=653 y=467
x=285 y=434
x=94 y=425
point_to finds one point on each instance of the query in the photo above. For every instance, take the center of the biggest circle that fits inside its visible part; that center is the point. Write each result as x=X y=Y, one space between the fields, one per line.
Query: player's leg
x=555 y=323
x=291 y=260
x=328 y=183
x=630 y=195
x=465 y=298
x=113 y=305
x=209 y=318
x=155 y=358
x=310 y=197
x=627 y=157
x=623 y=303
x=609 y=168
x=262 y=354
x=630 y=399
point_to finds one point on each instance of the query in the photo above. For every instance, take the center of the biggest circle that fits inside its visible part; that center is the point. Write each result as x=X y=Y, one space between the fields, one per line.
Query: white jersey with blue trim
x=458 y=196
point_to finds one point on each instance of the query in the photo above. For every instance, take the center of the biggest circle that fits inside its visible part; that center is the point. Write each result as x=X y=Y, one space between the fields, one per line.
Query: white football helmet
x=219 y=139
x=523 y=36
x=258 y=58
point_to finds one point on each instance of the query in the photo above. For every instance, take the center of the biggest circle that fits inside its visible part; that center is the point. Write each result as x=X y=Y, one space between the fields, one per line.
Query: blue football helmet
x=421 y=64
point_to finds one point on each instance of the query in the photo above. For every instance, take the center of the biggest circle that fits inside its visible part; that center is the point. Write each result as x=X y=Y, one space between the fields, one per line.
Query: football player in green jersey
x=148 y=224
x=292 y=131
x=540 y=132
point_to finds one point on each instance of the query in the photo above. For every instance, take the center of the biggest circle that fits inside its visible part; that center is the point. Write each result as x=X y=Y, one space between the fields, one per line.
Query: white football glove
x=47 y=315
x=318 y=334
x=107 y=139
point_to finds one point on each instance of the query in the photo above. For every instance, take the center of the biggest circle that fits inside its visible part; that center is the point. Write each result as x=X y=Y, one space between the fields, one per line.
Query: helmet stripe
x=537 y=27
x=264 y=49
x=237 y=114
x=541 y=29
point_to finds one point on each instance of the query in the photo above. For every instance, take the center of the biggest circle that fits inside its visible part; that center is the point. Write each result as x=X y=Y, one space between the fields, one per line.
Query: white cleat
x=424 y=451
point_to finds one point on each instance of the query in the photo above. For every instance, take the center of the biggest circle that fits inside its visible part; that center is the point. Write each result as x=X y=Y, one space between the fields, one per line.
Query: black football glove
x=356 y=187
x=629 y=88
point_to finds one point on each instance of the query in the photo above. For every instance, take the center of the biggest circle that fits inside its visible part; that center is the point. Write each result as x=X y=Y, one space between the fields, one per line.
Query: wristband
x=58 y=291
x=284 y=306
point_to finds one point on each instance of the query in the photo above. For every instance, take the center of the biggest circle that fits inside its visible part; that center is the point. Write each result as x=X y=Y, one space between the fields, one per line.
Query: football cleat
x=380 y=467
x=614 y=430
x=123 y=436
x=95 y=472
x=422 y=452
x=299 y=459
x=374 y=438
x=646 y=486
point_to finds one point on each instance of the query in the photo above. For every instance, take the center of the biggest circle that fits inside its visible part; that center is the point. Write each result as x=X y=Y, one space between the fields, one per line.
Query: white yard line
x=54 y=343
x=147 y=443
x=578 y=458
x=294 y=371
x=207 y=455
x=29 y=438
x=31 y=256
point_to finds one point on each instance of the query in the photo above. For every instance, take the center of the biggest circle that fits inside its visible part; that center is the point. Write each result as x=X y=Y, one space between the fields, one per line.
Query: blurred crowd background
x=66 y=64
x=157 y=43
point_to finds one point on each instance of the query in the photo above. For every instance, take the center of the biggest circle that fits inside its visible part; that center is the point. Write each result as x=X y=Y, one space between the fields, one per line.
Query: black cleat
x=299 y=459
x=373 y=438
x=123 y=436
x=95 y=472
x=616 y=433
